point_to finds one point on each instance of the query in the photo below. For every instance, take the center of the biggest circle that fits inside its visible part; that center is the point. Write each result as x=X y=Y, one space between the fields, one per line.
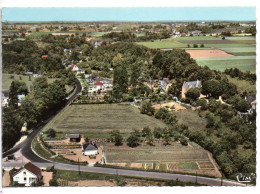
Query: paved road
x=25 y=147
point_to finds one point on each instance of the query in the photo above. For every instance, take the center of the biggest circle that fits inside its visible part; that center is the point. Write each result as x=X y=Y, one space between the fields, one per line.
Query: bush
x=133 y=141
x=184 y=141
x=51 y=132
x=53 y=182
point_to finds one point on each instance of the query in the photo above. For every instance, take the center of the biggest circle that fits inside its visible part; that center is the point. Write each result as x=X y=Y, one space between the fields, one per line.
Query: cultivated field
x=243 y=50
x=207 y=53
x=101 y=118
x=173 y=157
x=244 y=63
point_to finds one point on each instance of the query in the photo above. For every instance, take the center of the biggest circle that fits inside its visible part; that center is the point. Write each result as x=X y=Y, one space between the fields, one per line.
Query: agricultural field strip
x=228 y=58
x=102 y=117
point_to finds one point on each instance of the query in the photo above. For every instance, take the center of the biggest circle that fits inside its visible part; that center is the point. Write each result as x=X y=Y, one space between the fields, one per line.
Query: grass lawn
x=101 y=118
x=195 y=38
x=6 y=80
x=244 y=63
x=188 y=165
x=36 y=35
x=191 y=119
x=75 y=176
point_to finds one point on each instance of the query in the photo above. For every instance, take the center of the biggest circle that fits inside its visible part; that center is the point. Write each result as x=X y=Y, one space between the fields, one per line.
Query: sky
x=130 y=14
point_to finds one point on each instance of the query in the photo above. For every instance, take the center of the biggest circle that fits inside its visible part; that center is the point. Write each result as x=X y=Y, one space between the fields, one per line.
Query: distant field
x=40 y=34
x=99 y=34
x=6 y=80
x=101 y=118
x=163 y=44
x=196 y=38
x=244 y=63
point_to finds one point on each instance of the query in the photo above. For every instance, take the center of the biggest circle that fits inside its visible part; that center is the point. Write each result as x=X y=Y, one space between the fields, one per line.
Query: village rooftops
x=89 y=146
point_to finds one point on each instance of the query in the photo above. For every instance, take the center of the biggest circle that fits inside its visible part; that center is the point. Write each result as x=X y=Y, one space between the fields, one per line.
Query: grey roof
x=89 y=146
x=192 y=84
x=250 y=98
x=75 y=135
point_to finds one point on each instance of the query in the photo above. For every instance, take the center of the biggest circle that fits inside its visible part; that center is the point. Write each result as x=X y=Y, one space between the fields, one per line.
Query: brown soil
x=47 y=176
x=6 y=179
x=209 y=53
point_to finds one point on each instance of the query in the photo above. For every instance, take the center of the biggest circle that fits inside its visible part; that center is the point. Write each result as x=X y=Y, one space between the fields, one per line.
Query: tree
x=166 y=139
x=184 y=141
x=146 y=108
x=116 y=137
x=51 y=133
x=136 y=132
x=193 y=93
x=202 y=46
x=133 y=140
x=146 y=131
x=150 y=139
x=157 y=132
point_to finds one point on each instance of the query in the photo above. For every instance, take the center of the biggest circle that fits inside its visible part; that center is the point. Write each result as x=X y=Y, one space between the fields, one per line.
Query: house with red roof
x=74 y=67
x=45 y=56
x=27 y=174
x=98 y=85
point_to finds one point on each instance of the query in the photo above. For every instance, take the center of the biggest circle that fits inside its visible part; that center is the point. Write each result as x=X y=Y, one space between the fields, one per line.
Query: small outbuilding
x=89 y=148
x=74 y=137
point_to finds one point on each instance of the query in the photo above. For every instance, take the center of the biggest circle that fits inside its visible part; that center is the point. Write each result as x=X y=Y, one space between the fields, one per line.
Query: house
x=44 y=56
x=98 y=85
x=187 y=85
x=74 y=67
x=80 y=71
x=5 y=97
x=253 y=105
x=27 y=174
x=164 y=84
x=89 y=148
x=21 y=98
x=74 y=137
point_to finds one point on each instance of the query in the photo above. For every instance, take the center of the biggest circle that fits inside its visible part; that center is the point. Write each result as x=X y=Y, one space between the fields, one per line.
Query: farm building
x=89 y=148
x=74 y=137
x=27 y=174
x=187 y=85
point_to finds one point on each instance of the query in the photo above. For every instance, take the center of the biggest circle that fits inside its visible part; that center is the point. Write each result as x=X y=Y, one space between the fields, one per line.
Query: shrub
x=53 y=182
x=51 y=132
x=184 y=141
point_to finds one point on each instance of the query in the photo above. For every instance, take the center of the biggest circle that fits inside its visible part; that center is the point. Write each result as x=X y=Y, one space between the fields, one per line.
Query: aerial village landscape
x=129 y=103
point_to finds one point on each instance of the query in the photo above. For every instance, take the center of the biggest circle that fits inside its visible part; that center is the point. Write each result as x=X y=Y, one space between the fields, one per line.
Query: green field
x=163 y=44
x=244 y=63
x=101 y=118
x=99 y=34
x=36 y=35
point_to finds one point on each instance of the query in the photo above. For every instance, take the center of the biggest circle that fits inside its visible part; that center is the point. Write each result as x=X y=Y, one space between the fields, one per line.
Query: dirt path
x=6 y=179
x=47 y=176
x=218 y=174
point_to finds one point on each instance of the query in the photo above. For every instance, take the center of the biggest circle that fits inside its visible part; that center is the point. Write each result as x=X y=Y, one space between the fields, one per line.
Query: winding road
x=25 y=148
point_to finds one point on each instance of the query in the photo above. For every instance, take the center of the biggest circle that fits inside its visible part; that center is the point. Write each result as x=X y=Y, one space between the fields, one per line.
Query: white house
x=89 y=149
x=28 y=174
x=74 y=67
x=98 y=86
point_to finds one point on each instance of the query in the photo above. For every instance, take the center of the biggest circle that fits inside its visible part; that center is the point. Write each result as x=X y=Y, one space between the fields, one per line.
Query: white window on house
x=17 y=179
x=32 y=180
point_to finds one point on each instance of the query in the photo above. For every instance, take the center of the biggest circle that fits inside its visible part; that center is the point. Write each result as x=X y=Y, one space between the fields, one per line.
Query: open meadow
x=101 y=118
